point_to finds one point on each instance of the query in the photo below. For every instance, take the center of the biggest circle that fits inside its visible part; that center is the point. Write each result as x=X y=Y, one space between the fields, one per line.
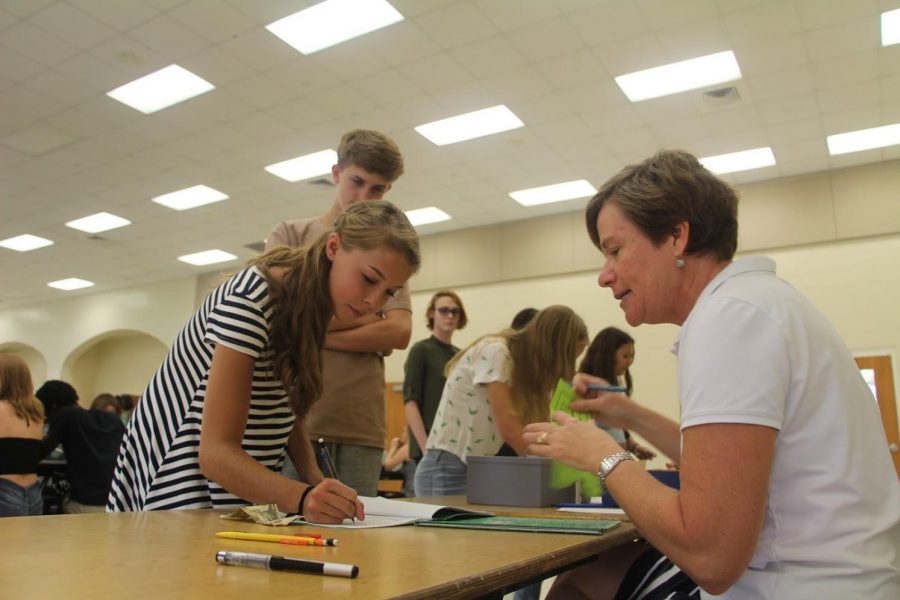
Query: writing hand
x=331 y=502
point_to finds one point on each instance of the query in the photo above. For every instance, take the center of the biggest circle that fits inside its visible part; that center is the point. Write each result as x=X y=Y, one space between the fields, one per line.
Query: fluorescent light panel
x=72 y=283
x=744 y=160
x=680 y=76
x=25 y=242
x=890 y=27
x=470 y=125
x=557 y=192
x=161 y=89
x=191 y=197
x=207 y=257
x=424 y=216
x=332 y=22
x=101 y=221
x=864 y=139
x=305 y=167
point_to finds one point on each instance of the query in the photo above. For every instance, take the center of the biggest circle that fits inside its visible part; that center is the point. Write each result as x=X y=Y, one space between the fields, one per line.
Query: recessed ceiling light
x=739 y=161
x=424 y=216
x=470 y=125
x=207 y=257
x=890 y=27
x=680 y=76
x=864 y=139
x=557 y=192
x=305 y=167
x=161 y=89
x=191 y=197
x=72 y=283
x=101 y=221
x=24 y=243
x=332 y=22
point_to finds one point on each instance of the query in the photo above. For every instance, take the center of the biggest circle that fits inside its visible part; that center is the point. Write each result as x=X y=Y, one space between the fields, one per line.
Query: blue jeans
x=18 y=501
x=440 y=473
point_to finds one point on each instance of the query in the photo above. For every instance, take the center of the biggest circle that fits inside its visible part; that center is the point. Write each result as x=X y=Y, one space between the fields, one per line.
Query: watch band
x=611 y=462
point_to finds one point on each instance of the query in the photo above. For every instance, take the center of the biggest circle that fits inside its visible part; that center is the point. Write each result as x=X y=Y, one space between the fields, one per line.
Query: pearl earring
x=679 y=262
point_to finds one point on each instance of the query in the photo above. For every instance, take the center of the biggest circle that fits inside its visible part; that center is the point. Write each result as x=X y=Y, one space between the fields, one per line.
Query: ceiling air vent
x=257 y=247
x=321 y=181
x=720 y=97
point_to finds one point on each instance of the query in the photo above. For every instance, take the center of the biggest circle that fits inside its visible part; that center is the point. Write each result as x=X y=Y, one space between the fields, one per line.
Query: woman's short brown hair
x=669 y=188
x=429 y=312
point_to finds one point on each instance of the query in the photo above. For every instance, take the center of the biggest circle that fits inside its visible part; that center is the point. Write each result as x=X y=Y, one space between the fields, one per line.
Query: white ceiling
x=811 y=68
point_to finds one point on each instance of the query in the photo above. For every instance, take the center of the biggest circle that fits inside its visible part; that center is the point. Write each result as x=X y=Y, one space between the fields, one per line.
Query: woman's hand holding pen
x=609 y=408
x=331 y=502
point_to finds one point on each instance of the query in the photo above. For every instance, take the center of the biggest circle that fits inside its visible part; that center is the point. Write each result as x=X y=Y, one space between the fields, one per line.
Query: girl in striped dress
x=213 y=426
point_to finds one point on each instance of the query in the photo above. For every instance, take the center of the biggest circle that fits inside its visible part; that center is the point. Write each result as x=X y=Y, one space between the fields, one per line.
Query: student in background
x=787 y=486
x=350 y=414
x=423 y=372
x=212 y=428
x=108 y=403
x=523 y=317
x=610 y=357
x=90 y=440
x=21 y=429
x=126 y=404
x=495 y=386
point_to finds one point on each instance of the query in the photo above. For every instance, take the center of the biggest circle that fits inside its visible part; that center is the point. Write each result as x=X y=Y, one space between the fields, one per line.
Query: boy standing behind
x=349 y=415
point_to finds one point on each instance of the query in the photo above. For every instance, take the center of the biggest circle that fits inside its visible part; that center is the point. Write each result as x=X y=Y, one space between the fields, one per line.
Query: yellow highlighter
x=294 y=540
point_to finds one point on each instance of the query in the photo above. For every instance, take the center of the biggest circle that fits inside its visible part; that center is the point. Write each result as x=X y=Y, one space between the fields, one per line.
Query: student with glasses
x=423 y=379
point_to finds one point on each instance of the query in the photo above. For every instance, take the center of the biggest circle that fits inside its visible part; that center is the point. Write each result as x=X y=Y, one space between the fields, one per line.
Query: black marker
x=283 y=563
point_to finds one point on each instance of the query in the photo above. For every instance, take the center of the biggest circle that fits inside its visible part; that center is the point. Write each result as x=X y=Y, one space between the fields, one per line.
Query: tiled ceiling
x=810 y=68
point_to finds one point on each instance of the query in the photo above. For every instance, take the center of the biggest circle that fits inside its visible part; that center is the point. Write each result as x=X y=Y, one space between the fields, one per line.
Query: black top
x=19 y=456
x=423 y=381
x=91 y=440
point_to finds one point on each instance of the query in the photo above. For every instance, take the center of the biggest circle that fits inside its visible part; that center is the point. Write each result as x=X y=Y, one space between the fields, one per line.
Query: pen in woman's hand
x=607 y=388
x=329 y=468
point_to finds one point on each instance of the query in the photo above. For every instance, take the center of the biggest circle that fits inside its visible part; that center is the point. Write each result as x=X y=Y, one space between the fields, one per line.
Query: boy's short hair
x=372 y=151
x=56 y=394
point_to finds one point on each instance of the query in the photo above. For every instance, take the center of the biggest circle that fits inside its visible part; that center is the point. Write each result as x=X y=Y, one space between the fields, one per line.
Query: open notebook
x=382 y=512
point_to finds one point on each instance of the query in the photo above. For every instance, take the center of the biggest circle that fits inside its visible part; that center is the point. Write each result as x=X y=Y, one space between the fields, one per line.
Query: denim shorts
x=441 y=473
x=18 y=501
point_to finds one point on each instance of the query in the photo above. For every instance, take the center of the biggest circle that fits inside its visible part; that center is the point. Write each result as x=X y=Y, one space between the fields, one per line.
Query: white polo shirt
x=754 y=350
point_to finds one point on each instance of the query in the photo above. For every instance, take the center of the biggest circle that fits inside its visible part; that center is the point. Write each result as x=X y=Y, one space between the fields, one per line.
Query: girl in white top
x=495 y=386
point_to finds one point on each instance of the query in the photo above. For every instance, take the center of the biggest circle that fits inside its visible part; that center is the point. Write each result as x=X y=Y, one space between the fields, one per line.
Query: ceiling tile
x=68 y=23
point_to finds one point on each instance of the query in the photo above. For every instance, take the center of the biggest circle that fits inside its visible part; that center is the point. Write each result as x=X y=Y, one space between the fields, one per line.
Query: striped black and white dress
x=158 y=466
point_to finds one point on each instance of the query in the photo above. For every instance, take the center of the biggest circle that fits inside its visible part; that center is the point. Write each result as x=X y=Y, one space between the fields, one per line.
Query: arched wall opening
x=36 y=362
x=115 y=362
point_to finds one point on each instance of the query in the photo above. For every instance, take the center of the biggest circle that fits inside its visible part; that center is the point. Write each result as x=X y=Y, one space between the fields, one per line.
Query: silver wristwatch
x=611 y=462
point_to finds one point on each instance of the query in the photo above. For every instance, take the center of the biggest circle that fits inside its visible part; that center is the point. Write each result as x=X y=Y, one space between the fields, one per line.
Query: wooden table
x=171 y=554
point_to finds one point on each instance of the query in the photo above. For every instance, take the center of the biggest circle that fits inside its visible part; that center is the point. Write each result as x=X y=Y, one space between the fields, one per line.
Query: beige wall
x=120 y=364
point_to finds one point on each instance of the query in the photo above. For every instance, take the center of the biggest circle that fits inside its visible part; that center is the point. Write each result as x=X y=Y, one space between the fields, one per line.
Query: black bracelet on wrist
x=303 y=499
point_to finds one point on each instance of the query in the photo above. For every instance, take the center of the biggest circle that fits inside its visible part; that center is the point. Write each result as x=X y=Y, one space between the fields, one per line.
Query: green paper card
x=561 y=475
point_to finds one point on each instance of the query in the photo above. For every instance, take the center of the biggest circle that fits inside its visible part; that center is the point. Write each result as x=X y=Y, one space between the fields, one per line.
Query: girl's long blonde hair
x=17 y=389
x=302 y=305
x=542 y=352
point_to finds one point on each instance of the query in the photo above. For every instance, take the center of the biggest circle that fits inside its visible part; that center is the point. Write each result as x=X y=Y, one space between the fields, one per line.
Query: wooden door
x=394 y=411
x=879 y=375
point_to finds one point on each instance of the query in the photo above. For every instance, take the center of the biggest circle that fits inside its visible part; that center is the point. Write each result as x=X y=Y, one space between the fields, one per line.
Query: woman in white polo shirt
x=787 y=487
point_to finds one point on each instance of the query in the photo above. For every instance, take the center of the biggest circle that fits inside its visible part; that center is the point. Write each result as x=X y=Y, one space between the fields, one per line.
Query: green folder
x=561 y=475
x=508 y=523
